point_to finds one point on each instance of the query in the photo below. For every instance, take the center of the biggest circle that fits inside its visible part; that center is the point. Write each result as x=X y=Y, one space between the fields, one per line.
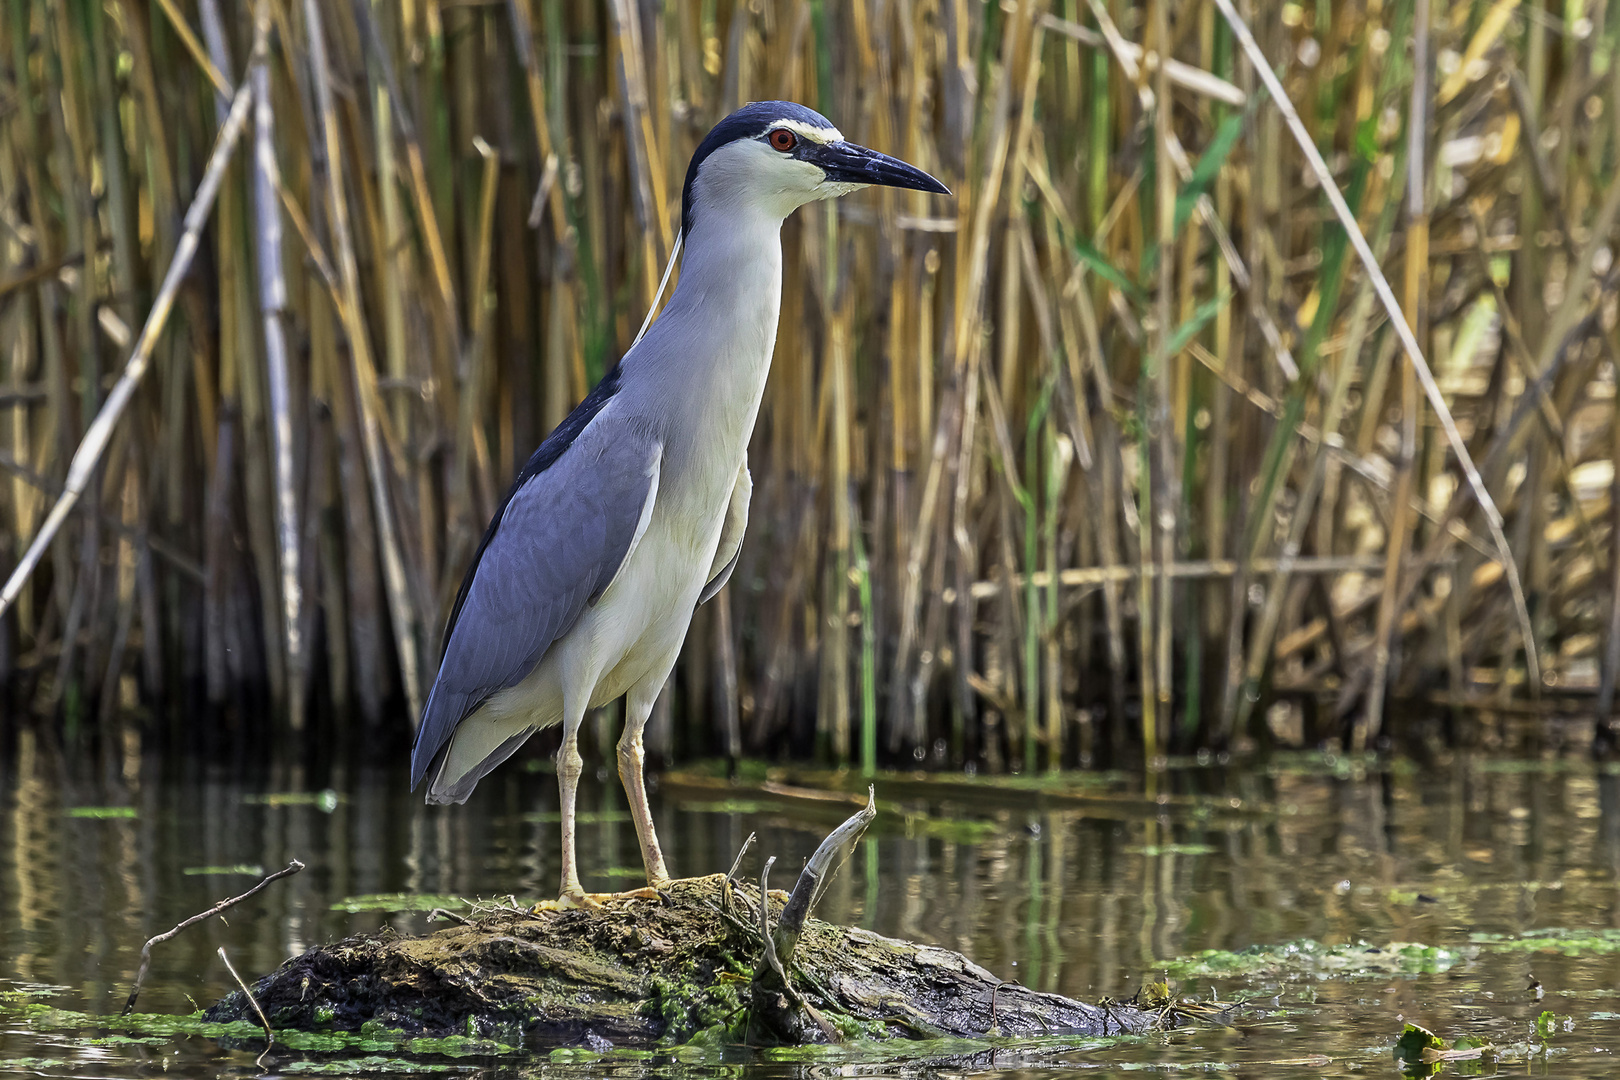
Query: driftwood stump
x=641 y=972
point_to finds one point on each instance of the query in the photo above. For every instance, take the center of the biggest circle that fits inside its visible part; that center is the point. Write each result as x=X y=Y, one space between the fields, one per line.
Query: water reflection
x=1081 y=891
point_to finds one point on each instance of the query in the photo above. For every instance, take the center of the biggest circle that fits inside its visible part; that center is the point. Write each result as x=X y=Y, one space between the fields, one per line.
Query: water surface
x=1497 y=879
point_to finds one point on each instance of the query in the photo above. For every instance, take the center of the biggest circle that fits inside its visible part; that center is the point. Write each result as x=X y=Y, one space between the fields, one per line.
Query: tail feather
x=440 y=716
x=452 y=784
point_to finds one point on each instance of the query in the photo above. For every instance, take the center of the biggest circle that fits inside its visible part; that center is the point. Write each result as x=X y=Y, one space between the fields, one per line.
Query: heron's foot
x=582 y=900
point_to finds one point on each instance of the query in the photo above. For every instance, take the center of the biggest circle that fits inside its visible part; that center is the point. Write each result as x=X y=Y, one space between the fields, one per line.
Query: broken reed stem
x=97 y=436
x=1409 y=343
x=777 y=947
x=269 y=1033
x=291 y=868
x=817 y=873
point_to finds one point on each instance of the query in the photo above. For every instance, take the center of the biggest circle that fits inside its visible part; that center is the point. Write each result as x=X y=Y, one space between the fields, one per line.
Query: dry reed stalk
x=99 y=433
x=365 y=375
x=955 y=489
x=1414 y=353
x=272 y=303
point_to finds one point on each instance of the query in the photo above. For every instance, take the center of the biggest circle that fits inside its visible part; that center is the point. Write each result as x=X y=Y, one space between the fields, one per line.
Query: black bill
x=847 y=163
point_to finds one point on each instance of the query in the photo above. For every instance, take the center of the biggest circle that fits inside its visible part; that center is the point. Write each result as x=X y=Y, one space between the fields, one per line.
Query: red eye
x=784 y=140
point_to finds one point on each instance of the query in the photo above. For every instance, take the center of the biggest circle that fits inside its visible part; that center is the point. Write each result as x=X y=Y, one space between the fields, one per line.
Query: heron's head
x=772 y=157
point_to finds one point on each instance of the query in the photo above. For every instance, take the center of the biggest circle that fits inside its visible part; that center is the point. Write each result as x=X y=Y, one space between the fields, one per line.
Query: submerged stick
x=146 y=950
x=1409 y=342
x=99 y=434
x=269 y=1033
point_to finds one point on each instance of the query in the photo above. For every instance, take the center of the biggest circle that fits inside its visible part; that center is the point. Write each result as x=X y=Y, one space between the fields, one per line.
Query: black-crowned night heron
x=632 y=511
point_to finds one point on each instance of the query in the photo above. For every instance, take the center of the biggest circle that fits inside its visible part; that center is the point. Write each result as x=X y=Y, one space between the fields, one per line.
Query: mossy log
x=643 y=972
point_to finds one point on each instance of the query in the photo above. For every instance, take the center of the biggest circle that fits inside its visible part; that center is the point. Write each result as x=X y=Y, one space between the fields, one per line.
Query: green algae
x=620 y=871
x=583 y=817
x=1340 y=766
x=1595 y=942
x=153 y=1029
x=859 y=1051
x=724 y=806
x=1172 y=849
x=1308 y=958
x=372 y=1063
x=400 y=902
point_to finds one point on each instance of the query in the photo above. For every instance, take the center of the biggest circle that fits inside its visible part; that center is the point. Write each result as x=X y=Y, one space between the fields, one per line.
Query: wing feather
x=557 y=543
x=731 y=535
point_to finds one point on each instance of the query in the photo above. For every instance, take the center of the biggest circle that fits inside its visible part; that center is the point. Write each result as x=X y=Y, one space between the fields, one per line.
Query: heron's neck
x=719 y=330
x=733 y=263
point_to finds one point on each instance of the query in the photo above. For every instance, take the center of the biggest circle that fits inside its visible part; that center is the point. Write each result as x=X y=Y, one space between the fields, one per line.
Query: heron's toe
x=571 y=900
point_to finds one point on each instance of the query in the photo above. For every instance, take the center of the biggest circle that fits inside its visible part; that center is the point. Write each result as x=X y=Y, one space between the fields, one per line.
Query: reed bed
x=1129 y=449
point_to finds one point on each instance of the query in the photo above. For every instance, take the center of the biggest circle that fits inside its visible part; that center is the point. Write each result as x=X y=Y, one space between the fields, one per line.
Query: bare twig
x=765 y=917
x=736 y=864
x=146 y=950
x=443 y=913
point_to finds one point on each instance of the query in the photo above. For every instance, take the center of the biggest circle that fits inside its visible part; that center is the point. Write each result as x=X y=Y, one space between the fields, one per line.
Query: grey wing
x=731 y=535
x=554 y=549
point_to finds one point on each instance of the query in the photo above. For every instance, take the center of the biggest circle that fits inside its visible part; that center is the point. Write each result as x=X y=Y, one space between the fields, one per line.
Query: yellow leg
x=569 y=767
x=631 y=757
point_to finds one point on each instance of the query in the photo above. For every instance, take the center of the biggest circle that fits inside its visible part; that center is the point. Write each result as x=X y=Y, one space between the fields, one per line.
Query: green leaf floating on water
x=101 y=811
x=325 y=801
x=1171 y=849
x=1414 y=1041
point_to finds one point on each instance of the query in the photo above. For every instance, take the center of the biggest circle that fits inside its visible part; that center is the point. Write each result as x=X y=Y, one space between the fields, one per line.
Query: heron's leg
x=639 y=705
x=569 y=767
